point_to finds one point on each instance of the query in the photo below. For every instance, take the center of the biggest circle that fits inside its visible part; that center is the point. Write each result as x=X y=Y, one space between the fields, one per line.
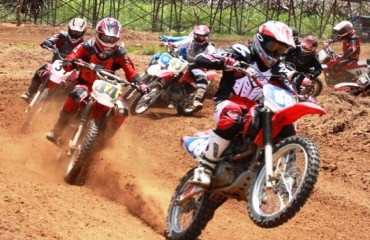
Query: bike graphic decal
x=106 y=88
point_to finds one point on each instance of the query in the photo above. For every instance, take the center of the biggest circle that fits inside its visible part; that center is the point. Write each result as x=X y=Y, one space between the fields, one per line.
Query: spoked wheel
x=142 y=102
x=295 y=166
x=81 y=157
x=189 y=212
x=186 y=107
x=132 y=92
x=34 y=110
x=313 y=89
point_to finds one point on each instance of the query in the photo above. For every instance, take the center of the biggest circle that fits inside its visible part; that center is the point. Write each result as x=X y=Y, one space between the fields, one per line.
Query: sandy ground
x=133 y=178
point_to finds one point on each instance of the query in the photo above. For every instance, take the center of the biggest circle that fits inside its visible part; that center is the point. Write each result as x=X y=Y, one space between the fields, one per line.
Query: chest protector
x=194 y=50
x=245 y=86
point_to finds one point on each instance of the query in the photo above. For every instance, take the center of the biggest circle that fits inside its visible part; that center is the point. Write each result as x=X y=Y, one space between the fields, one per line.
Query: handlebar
x=55 y=51
x=105 y=75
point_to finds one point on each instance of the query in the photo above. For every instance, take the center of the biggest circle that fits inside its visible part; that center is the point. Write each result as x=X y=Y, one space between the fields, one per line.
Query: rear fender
x=345 y=86
x=289 y=115
x=165 y=74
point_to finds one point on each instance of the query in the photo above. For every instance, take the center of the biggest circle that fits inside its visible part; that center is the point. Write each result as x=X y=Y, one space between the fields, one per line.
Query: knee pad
x=230 y=124
x=78 y=94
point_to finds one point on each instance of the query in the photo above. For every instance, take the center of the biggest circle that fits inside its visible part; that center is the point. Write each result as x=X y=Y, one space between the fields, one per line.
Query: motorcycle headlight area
x=363 y=80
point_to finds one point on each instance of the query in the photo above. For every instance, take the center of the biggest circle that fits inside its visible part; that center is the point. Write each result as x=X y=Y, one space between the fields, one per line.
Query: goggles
x=275 y=47
x=75 y=34
x=108 y=39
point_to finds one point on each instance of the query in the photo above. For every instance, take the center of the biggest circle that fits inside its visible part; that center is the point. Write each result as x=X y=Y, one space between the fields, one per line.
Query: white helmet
x=76 y=29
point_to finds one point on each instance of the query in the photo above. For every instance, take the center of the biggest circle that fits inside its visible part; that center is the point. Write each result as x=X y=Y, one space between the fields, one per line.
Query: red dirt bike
x=334 y=73
x=173 y=83
x=55 y=82
x=359 y=88
x=274 y=173
x=309 y=87
x=93 y=125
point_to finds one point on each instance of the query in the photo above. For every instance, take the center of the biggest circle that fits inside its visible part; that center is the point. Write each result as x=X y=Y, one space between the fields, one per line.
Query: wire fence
x=223 y=16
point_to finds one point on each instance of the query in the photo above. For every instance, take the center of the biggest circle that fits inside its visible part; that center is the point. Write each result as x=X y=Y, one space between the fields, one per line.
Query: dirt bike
x=334 y=73
x=173 y=83
x=93 y=118
x=309 y=87
x=274 y=171
x=359 y=88
x=158 y=62
x=54 y=82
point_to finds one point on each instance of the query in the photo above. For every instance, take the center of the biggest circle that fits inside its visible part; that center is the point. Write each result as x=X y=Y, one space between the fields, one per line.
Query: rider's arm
x=210 y=61
x=172 y=39
x=128 y=67
x=317 y=67
x=183 y=43
x=79 y=52
x=282 y=81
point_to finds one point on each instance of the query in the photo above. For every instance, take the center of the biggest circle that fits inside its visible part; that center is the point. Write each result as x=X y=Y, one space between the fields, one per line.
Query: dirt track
x=134 y=177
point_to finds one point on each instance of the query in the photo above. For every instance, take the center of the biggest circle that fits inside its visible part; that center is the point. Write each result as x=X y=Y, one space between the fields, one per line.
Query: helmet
x=242 y=50
x=200 y=34
x=343 y=29
x=108 y=34
x=295 y=32
x=271 y=41
x=309 y=45
x=76 y=29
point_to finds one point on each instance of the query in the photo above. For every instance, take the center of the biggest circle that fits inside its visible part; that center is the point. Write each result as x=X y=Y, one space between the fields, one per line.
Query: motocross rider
x=106 y=52
x=64 y=42
x=351 y=43
x=306 y=61
x=198 y=43
x=237 y=92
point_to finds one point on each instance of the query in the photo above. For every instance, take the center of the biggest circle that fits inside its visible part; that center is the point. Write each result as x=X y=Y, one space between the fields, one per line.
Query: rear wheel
x=186 y=219
x=81 y=157
x=313 y=89
x=143 y=101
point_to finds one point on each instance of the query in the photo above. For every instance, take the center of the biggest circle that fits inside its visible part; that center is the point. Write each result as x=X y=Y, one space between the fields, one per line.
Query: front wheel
x=313 y=89
x=187 y=218
x=34 y=110
x=80 y=159
x=296 y=163
x=143 y=101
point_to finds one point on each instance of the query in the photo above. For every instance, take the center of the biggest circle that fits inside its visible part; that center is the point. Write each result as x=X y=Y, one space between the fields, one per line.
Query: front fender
x=289 y=115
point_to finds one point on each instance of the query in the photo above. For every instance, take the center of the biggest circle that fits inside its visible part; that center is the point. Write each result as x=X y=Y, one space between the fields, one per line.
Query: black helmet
x=295 y=32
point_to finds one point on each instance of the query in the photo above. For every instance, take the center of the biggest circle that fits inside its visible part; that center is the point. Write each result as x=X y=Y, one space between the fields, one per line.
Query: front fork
x=268 y=145
x=80 y=129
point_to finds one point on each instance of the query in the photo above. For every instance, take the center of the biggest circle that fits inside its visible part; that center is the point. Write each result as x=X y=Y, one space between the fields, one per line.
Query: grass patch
x=149 y=49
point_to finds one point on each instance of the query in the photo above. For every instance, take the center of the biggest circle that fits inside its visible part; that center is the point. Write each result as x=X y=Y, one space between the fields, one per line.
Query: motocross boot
x=27 y=95
x=54 y=135
x=198 y=99
x=207 y=163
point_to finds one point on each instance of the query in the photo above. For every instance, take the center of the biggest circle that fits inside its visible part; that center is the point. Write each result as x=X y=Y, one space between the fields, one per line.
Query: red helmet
x=343 y=29
x=108 y=33
x=200 y=34
x=309 y=45
x=271 y=41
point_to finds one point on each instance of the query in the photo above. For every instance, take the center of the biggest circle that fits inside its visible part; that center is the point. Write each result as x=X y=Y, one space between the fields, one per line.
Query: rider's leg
x=35 y=83
x=202 y=84
x=229 y=124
